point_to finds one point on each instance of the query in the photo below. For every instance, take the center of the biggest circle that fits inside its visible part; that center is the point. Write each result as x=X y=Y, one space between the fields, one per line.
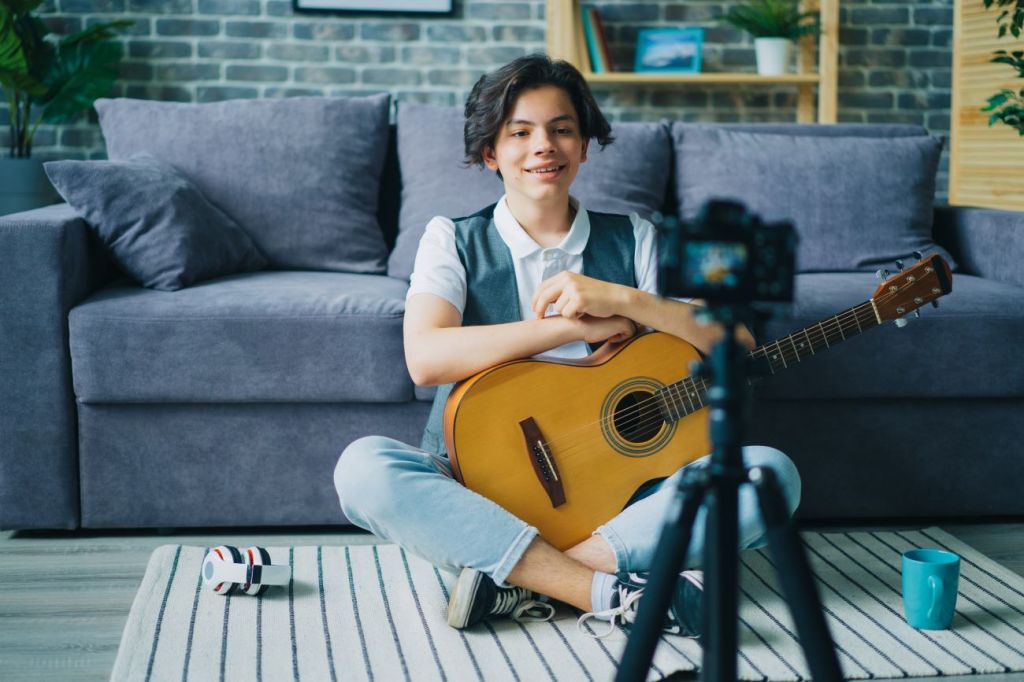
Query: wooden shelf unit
x=565 y=40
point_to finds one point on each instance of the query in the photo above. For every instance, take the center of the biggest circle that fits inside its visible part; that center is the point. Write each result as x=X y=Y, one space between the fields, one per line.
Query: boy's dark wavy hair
x=490 y=102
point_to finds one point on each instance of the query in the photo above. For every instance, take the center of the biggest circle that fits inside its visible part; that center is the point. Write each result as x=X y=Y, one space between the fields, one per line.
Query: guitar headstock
x=907 y=291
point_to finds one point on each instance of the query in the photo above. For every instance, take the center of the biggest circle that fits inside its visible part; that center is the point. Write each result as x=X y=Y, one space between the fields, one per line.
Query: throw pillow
x=628 y=175
x=300 y=175
x=857 y=202
x=160 y=228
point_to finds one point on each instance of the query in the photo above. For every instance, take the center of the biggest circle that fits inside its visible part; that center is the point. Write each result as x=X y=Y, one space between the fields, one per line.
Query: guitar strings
x=835 y=324
x=652 y=418
x=639 y=411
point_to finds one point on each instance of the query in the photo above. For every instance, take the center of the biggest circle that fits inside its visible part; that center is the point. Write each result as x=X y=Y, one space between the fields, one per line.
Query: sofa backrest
x=892 y=182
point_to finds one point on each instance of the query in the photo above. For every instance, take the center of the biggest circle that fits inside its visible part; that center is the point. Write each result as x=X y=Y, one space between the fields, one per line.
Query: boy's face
x=539 y=149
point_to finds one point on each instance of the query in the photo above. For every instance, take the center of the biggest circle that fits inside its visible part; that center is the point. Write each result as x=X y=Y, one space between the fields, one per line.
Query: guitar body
x=602 y=433
x=565 y=444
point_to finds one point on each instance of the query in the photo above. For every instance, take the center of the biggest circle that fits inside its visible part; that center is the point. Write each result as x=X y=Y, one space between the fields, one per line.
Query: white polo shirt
x=439 y=271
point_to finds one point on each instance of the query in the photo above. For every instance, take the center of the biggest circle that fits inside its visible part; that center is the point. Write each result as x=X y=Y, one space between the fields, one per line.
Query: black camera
x=726 y=255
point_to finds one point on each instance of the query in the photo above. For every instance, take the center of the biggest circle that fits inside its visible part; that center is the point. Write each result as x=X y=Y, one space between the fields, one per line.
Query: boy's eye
x=518 y=133
x=564 y=131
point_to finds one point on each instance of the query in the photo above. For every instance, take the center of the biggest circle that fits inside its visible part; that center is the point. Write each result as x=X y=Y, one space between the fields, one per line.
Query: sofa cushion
x=856 y=201
x=159 y=227
x=300 y=175
x=631 y=174
x=962 y=349
x=262 y=337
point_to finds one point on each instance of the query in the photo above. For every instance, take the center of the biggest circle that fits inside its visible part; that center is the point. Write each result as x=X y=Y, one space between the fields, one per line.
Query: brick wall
x=895 y=58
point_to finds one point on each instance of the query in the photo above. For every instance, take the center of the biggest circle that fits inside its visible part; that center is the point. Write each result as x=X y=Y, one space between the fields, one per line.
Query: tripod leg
x=795 y=577
x=664 y=573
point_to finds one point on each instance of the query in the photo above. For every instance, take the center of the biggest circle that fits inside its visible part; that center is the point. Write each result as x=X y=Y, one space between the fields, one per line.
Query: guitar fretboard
x=688 y=395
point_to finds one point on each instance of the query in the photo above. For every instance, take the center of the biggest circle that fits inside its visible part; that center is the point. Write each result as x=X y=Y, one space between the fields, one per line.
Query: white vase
x=772 y=55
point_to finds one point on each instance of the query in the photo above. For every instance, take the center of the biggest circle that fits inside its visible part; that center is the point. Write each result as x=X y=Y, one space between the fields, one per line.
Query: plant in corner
x=775 y=25
x=46 y=80
x=60 y=77
x=1007 y=105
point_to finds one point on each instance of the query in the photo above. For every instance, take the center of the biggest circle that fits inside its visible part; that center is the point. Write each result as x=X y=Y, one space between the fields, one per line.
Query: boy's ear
x=487 y=153
x=586 y=143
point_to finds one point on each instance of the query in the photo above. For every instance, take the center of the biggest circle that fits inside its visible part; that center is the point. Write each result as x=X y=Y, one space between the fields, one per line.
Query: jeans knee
x=357 y=473
x=785 y=471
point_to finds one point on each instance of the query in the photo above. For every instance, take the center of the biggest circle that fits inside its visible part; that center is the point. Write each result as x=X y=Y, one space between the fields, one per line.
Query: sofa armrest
x=984 y=241
x=48 y=263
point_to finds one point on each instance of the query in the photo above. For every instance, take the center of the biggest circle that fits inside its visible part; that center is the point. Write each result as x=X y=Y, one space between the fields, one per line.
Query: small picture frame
x=403 y=6
x=669 y=50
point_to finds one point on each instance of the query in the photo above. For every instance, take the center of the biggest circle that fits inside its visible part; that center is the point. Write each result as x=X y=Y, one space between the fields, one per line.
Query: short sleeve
x=645 y=257
x=437 y=269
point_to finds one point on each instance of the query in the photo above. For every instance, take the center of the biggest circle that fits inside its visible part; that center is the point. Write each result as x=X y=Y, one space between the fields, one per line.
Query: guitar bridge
x=543 y=462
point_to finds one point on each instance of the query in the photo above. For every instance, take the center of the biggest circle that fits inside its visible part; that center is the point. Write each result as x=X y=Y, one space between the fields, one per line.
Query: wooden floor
x=64 y=597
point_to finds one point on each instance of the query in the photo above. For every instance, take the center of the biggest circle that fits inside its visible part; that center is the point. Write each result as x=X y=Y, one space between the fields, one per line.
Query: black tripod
x=718 y=484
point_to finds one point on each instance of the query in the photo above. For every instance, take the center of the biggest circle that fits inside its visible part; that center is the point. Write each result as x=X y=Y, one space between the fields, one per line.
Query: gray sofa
x=227 y=403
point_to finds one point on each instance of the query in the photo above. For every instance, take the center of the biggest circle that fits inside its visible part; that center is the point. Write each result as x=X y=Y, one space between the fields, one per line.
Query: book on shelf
x=597 y=64
x=602 y=39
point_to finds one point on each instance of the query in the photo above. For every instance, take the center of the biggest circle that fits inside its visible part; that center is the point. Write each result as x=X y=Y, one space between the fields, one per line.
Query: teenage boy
x=534 y=275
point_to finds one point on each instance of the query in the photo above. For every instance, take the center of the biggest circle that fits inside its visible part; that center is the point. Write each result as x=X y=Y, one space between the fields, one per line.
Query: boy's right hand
x=614 y=329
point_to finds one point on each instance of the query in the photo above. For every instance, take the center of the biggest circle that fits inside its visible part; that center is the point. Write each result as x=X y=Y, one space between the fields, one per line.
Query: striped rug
x=377 y=613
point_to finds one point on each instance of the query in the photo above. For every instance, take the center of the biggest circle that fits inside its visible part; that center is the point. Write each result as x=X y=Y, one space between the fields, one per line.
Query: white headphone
x=227 y=570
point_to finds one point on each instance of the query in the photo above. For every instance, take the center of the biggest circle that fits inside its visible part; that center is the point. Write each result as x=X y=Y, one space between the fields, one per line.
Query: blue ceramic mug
x=930 y=578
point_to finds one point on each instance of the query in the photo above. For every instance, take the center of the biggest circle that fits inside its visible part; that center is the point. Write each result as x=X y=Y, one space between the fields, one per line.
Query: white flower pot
x=772 y=55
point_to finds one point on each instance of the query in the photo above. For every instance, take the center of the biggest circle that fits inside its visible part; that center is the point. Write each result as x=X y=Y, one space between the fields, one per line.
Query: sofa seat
x=261 y=337
x=963 y=349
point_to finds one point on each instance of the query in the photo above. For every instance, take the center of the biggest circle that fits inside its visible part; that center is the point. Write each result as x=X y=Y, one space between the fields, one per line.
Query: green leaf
x=14 y=67
x=97 y=32
x=22 y=6
x=772 y=19
x=82 y=73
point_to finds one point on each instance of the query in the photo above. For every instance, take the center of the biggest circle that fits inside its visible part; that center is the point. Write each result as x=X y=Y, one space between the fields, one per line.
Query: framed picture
x=669 y=50
x=408 y=6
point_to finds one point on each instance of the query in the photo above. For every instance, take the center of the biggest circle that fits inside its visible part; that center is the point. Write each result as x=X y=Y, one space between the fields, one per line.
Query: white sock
x=602 y=591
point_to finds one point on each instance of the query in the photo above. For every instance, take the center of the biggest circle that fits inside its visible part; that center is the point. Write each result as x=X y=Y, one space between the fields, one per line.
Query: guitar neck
x=690 y=394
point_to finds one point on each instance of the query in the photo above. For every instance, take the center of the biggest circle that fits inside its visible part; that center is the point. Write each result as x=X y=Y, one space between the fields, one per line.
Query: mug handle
x=935 y=583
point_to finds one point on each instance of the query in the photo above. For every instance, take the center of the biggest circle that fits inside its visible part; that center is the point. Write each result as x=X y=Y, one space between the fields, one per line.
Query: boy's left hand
x=575 y=295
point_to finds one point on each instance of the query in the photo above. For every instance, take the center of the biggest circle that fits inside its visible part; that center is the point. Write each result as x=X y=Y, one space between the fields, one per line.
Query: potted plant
x=775 y=26
x=46 y=80
x=1007 y=105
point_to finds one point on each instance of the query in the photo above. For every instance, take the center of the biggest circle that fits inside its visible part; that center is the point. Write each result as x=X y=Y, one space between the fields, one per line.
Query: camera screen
x=710 y=265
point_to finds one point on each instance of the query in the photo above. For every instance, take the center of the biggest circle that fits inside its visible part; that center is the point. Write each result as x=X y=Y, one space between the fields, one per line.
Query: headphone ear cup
x=255 y=556
x=229 y=555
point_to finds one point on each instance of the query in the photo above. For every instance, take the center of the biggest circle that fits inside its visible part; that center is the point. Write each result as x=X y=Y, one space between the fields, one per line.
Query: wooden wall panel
x=986 y=163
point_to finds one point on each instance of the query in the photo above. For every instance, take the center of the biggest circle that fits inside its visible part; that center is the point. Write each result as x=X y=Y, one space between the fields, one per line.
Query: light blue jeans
x=408 y=496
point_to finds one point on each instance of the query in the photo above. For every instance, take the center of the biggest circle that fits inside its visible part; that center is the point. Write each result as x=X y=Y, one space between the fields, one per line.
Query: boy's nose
x=543 y=143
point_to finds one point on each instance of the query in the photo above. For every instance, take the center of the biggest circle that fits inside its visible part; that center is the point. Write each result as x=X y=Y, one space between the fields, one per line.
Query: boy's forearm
x=441 y=356
x=677 y=318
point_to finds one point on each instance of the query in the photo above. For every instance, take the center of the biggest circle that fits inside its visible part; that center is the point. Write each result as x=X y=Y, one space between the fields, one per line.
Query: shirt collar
x=522 y=245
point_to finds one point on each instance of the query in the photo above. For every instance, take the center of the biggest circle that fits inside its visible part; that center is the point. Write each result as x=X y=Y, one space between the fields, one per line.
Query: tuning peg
x=899 y=265
x=935 y=304
x=882 y=273
x=918 y=255
x=917 y=314
x=901 y=322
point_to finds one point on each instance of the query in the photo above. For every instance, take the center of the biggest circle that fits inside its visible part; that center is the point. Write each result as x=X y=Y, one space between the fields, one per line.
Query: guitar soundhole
x=637 y=418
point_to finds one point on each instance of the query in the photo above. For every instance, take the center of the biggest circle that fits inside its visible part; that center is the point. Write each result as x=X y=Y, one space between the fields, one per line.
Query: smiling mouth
x=546 y=171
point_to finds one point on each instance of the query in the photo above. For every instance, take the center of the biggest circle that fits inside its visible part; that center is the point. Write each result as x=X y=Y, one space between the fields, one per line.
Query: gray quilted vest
x=491 y=293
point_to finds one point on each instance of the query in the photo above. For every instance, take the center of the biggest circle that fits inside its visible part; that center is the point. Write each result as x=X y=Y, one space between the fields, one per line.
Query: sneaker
x=476 y=597
x=684 y=614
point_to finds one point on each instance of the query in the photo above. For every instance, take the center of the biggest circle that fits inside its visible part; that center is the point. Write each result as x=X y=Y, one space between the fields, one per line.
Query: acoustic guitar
x=564 y=444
